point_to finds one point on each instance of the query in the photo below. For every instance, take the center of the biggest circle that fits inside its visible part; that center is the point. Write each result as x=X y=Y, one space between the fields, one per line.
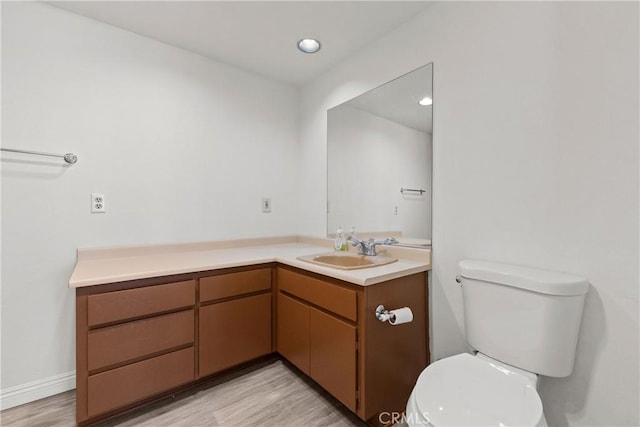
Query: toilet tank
x=524 y=317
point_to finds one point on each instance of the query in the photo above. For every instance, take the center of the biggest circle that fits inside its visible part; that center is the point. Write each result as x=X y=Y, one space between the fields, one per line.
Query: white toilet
x=523 y=323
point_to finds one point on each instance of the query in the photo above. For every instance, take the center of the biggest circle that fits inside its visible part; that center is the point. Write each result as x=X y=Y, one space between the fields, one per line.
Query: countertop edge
x=170 y=272
x=344 y=276
x=360 y=278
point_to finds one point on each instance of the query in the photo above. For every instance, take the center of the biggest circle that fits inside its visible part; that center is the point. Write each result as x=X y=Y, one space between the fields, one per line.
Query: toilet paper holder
x=395 y=317
x=383 y=315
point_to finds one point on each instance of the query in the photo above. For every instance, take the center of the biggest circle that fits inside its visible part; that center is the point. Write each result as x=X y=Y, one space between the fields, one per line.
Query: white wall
x=535 y=163
x=370 y=159
x=183 y=148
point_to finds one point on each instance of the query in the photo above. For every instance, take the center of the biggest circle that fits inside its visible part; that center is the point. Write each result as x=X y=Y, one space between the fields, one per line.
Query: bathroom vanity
x=328 y=329
x=142 y=339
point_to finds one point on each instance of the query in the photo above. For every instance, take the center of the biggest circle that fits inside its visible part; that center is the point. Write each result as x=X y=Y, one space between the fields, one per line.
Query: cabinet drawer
x=127 y=341
x=121 y=305
x=232 y=284
x=234 y=332
x=128 y=384
x=334 y=298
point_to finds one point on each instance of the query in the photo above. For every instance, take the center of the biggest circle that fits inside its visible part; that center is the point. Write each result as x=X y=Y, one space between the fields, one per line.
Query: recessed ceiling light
x=425 y=101
x=309 y=45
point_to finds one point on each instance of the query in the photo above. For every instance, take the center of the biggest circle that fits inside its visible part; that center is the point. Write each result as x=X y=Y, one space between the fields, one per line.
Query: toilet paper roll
x=400 y=316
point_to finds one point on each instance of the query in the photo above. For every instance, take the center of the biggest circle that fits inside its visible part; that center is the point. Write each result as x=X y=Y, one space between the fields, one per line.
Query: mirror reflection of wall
x=378 y=143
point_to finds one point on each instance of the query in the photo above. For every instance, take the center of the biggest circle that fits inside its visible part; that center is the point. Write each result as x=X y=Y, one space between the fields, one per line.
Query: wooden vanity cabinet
x=316 y=323
x=320 y=345
x=234 y=320
x=126 y=335
x=139 y=340
x=328 y=329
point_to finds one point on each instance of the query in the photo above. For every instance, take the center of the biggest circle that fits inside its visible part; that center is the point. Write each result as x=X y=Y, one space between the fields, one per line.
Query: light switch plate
x=266 y=205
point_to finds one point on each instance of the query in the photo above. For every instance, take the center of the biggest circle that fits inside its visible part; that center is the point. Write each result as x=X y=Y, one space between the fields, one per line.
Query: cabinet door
x=293 y=331
x=234 y=332
x=332 y=356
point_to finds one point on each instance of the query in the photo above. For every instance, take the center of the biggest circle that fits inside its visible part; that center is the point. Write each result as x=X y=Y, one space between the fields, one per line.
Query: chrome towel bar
x=69 y=157
x=412 y=190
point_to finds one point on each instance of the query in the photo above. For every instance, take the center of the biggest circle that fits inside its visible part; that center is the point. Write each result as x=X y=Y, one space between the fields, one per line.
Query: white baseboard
x=36 y=390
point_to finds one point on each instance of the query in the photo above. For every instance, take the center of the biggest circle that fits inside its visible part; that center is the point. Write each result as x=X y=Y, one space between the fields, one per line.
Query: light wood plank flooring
x=270 y=394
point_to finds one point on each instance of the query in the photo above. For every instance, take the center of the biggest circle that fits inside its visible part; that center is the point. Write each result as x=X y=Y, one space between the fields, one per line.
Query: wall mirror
x=380 y=161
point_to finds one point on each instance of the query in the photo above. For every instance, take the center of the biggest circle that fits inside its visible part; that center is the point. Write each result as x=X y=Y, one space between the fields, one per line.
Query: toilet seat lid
x=465 y=390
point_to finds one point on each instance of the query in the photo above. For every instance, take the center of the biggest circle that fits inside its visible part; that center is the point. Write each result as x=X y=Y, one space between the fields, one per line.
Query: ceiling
x=259 y=36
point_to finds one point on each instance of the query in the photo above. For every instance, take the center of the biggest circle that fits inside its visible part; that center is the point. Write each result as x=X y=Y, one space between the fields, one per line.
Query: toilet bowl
x=522 y=322
x=466 y=390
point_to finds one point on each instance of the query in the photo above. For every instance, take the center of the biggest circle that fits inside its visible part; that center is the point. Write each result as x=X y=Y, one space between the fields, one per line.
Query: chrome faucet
x=368 y=247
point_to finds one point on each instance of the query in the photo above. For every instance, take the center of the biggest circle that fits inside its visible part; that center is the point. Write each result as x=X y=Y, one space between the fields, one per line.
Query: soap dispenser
x=340 y=242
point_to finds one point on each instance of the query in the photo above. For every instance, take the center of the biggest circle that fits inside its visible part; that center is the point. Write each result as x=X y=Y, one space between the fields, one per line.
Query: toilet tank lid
x=541 y=281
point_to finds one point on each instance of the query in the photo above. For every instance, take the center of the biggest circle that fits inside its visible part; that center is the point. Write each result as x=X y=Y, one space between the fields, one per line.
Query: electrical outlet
x=98 y=203
x=395 y=211
x=266 y=205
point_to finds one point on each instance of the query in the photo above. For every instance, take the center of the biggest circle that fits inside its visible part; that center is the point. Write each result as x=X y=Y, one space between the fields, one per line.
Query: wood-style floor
x=269 y=394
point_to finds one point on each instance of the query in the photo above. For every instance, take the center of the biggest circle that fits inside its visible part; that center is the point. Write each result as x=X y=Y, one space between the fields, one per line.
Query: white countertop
x=111 y=266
